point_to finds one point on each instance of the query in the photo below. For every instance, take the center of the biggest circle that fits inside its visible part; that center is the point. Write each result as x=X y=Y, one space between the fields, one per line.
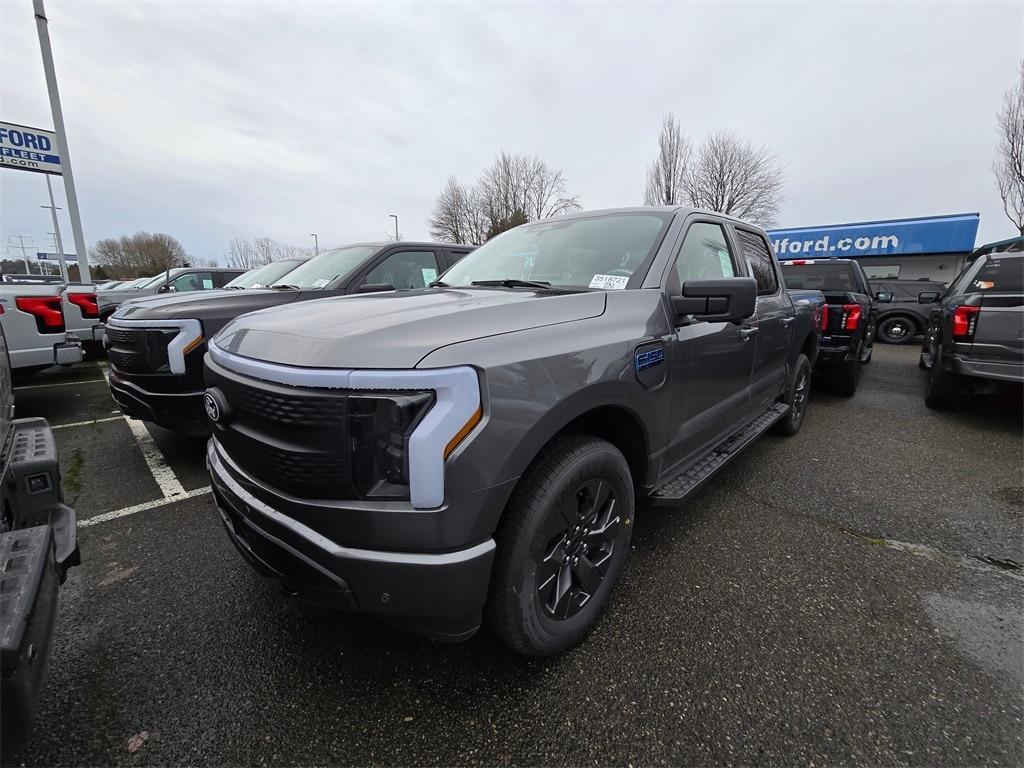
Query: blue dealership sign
x=938 y=234
x=28 y=149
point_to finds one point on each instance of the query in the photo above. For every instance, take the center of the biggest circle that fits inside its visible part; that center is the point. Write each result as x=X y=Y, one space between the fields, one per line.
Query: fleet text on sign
x=28 y=149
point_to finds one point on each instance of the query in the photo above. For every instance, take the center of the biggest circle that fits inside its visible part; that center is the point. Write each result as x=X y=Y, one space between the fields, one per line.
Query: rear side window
x=1005 y=274
x=759 y=259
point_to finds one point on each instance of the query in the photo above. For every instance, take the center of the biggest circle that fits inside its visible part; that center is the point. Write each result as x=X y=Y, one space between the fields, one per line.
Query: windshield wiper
x=440 y=284
x=285 y=287
x=513 y=282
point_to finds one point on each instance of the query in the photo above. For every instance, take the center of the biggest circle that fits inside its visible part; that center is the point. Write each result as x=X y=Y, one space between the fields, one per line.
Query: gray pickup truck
x=477 y=446
x=974 y=342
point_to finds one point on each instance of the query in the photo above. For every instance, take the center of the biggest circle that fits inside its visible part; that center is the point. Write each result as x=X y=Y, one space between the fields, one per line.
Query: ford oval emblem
x=217 y=409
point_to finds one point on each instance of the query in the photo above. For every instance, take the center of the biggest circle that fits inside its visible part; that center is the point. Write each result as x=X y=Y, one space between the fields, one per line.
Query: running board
x=682 y=485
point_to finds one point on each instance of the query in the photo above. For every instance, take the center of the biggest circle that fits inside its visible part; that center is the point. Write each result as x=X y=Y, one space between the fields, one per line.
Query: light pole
x=316 y=244
x=393 y=216
x=56 y=234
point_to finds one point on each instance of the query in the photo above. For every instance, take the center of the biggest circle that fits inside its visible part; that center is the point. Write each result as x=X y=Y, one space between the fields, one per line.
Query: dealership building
x=935 y=247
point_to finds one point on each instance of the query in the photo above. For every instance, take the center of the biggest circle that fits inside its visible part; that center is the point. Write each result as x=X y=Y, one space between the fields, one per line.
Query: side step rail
x=685 y=483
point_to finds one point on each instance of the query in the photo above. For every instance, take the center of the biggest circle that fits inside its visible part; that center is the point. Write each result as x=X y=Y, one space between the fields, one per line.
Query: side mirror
x=727 y=299
x=928 y=297
x=374 y=287
x=165 y=288
x=884 y=297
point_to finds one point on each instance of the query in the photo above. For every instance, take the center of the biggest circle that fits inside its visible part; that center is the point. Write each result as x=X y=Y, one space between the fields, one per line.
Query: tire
x=897 y=329
x=843 y=379
x=944 y=389
x=797 y=394
x=548 y=538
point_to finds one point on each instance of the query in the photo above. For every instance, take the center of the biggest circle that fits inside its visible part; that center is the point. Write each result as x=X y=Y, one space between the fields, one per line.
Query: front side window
x=704 y=254
x=193 y=281
x=328 y=267
x=759 y=259
x=404 y=270
x=587 y=252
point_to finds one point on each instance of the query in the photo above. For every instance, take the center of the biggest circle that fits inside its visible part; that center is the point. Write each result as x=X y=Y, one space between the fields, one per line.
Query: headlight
x=379 y=429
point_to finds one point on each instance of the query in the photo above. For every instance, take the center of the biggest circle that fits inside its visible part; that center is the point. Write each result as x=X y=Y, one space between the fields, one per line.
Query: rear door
x=772 y=319
x=999 y=333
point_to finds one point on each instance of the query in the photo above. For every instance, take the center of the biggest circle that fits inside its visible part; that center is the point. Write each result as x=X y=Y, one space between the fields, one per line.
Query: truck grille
x=138 y=350
x=294 y=439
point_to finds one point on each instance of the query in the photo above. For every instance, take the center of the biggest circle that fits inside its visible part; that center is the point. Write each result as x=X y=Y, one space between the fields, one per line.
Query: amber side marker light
x=461 y=434
x=192 y=346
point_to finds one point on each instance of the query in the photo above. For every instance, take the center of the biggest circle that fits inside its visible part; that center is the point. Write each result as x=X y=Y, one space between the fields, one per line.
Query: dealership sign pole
x=62 y=141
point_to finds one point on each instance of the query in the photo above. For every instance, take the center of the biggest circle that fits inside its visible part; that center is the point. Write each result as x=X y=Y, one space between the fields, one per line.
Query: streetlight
x=393 y=216
x=316 y=244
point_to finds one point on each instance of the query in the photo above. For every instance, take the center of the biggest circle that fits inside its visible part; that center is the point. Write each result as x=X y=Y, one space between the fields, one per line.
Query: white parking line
x=166 y=480
x=84 y=423
x=59 y=384
x=144 y=506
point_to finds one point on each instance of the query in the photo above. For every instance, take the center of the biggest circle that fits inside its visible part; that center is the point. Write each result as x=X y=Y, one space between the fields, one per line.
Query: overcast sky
x=210 y=121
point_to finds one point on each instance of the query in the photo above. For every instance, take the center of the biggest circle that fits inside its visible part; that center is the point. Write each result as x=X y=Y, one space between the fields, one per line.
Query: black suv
x=905 y=318
x=156 y=345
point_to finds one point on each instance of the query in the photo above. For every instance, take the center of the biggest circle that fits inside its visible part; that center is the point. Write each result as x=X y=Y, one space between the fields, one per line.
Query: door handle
x=746 y=334
x=787 y=321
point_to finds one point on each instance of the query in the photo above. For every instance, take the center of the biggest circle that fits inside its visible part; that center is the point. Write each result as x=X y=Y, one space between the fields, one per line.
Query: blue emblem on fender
x=649 y=358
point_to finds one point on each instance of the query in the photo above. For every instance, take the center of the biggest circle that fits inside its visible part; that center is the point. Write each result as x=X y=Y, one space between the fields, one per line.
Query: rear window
x=819 y=277
x=1006 y=274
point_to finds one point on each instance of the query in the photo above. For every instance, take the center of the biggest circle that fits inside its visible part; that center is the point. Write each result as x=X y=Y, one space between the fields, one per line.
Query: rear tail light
x=824 y=317
x=851 y=317
x=86 y=302
x=965 y=320
x=48 y=311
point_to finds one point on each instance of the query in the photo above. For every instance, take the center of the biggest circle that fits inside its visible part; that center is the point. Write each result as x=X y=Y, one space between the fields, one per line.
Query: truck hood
x=396 y=330
x=212 y=308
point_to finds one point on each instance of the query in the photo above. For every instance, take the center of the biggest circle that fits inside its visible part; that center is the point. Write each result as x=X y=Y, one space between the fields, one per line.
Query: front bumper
x=178 y=411
x=440 y=594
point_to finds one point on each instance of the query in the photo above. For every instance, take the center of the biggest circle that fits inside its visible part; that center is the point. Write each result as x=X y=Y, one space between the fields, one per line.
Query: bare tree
x=241 y=254
x=666 y=176
x=730 y=175
x=513 y=190
x=1008 y=166
x=141 y=254
x=246 y=254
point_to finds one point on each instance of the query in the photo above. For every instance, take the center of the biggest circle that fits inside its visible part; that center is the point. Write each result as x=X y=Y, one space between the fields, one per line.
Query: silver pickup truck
x=49 y=324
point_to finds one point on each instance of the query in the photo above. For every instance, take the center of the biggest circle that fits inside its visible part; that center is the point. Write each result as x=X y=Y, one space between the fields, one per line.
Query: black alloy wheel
x=575 y=561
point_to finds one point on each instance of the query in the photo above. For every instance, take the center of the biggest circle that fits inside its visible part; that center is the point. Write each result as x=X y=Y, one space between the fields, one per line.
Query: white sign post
x=62 y=140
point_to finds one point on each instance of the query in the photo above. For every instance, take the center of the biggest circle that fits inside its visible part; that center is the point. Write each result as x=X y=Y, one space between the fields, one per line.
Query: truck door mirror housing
x=928 y=297
x=884 y=297
x=727 y=299
x=374 y=287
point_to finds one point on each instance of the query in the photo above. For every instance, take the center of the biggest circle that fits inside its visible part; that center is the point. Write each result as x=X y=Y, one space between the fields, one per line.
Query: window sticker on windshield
x=321 y=282
x=609 y=282
x=429 y=275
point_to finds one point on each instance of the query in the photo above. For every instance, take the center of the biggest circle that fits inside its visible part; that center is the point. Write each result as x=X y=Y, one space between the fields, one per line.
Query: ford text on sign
x=28 y=149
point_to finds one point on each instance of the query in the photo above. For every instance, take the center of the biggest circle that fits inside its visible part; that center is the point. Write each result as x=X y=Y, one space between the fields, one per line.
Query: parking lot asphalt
x=851 y=594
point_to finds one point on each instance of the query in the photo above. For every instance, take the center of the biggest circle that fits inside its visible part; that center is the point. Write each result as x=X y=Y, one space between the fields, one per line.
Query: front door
x=710 y=362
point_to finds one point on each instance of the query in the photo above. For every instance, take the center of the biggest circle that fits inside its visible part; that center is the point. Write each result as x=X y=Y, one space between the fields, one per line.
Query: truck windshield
x=156 y=279
x=268 y=274
x=322 y=270
x=819 y=277
x=589 y=252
